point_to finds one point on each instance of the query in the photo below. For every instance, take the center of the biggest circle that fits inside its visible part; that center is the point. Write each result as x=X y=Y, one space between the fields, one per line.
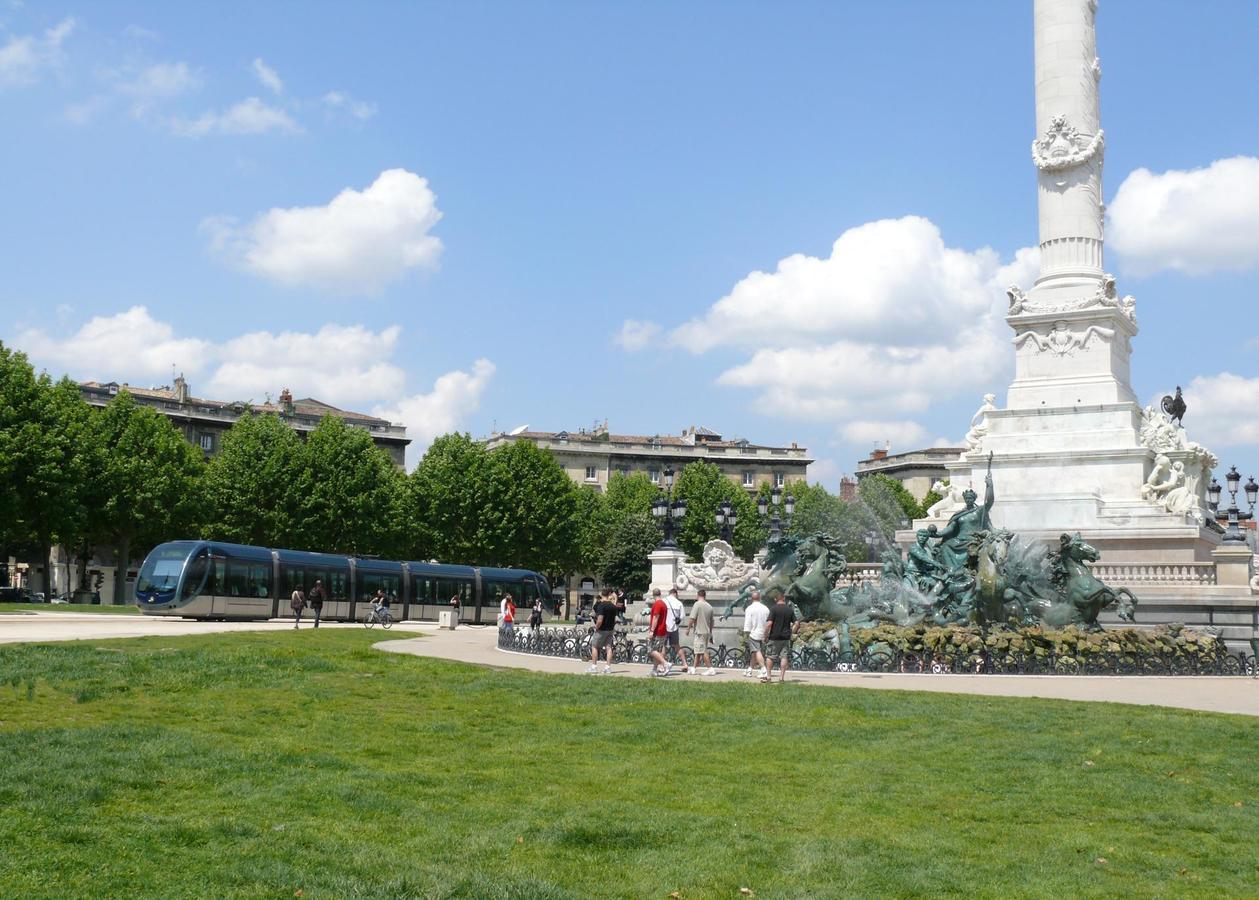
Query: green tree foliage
x=149 y=481
x=595 y=528
x=703 y=486
x=349 y=493
x=624 y=561
x=251 y=485
x=447 y=495
x=630 y=495
x=531 y=511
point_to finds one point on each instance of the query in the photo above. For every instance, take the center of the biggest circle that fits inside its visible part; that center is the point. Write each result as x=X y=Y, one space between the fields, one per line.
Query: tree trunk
x=122 y=563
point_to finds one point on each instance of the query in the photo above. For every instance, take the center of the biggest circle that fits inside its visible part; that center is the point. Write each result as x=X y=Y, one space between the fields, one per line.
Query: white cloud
x=359 y=242
x=441 y=410
x=1221 y=410
x=24 y=58
x=249 y=116
x=339 y=364
x=900 y=434
x=342 y=102
x=133 y=341
x=349 y=366
x=160 y=81
x=268 y=77
x=1195 y=221
x=636 y=335
x=890 y=324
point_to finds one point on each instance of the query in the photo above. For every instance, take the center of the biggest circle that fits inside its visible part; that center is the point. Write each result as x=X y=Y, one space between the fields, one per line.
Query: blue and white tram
x=216 y=580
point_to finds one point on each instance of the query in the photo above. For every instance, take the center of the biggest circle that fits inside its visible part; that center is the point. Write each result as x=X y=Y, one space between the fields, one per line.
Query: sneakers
x=593 y=668
x=748 y=673
x=668 y=669
x=710 y=671
x=607 y=670
x=764 y=674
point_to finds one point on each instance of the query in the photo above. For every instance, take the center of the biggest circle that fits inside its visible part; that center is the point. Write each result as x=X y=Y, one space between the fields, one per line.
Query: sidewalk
x=1208 y=693
x=68 y=626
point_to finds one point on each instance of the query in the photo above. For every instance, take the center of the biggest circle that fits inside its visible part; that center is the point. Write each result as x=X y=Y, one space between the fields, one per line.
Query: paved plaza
x=478 y=645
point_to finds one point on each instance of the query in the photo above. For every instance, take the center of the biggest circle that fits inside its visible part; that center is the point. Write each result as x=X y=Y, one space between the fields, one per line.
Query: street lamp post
x=776 y=502
x=1235 y=515
x=668 y=512
x=727 y=519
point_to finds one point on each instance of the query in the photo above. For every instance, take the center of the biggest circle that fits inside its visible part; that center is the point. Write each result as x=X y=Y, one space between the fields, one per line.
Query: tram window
x=292 y=579
x=247 y=579
x=195 y=576
x=217 y=582
x=421 y=589
x=370 y=582
x=338 y=584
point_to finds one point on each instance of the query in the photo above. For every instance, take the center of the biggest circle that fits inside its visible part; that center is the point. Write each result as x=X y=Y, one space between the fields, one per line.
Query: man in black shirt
x=782 y=625
x=604 y=634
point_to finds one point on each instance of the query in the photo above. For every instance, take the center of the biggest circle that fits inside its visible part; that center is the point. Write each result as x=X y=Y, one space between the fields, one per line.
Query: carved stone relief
x=1061 y=340
x=720 y=569
x=1062 y=146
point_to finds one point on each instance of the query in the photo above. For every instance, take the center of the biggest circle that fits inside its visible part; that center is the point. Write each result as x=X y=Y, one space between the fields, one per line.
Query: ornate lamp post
x=669 y=513
x=726 y=518
x=1235 y=515
x=776 y=524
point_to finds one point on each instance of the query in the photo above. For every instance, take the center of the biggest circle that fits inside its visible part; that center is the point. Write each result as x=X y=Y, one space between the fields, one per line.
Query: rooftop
x=307 y=406
x=690 y=437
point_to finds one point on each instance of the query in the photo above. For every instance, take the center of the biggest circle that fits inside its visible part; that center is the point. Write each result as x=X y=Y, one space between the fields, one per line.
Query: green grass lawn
x=11 y=608
x=255 y=765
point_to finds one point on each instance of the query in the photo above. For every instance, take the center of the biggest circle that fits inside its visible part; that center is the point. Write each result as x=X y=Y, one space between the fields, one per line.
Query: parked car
x=14 y=595
x=38 y=597
x=62 y=598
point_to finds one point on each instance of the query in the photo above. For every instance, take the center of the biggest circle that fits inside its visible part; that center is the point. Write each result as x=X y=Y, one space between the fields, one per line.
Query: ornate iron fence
x=574 y=643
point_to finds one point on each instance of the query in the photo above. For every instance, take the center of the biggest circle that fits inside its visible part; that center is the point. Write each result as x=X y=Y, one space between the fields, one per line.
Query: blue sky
x=526 y=178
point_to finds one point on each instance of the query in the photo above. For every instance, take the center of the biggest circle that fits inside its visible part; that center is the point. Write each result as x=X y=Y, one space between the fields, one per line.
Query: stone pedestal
x=664 y=567
x=1232 y=564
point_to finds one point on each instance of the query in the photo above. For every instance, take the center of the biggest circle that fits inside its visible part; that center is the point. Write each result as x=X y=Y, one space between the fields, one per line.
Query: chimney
x=181 y=389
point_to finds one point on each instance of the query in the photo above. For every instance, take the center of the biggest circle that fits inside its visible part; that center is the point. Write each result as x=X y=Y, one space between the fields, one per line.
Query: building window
x=654 y=475
x=779 y=479
x=749 y=479
x=591 y=474
x=207 y=442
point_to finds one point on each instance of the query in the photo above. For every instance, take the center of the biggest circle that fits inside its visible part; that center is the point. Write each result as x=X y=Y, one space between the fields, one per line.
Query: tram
x=216 y=580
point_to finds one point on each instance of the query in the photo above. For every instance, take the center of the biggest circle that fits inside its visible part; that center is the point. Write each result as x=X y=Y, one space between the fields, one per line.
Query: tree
x=702 y=485
x=447 y=496
x=624 y=561
x=149 y=478
x=251 y=485
x=531 y=511
x=629 y=495
x=42 y=427
x=349 y=493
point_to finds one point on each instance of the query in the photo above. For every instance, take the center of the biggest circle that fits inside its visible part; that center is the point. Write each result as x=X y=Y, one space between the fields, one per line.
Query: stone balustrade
x=1133 y=574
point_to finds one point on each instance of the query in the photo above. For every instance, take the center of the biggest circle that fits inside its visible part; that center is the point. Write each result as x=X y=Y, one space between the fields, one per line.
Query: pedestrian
x=535 y=617
x=316 y=599
x=700 y=624
x=673 y=626
x=755 y=617
x=782 y=625
x=657 y=629
x=507 y=613
x=454 y=604
x=297 y=603
x=604 y=635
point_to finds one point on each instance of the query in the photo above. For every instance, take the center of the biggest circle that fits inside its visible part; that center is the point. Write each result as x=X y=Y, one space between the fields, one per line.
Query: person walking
x=700 y=624
x=782 y=625
x=755 y=617
x=673 y=627
x=297 y=603
x=535 y=617
x=507 y=613
x=658 y=629
x=316 y=599
x=604 y=635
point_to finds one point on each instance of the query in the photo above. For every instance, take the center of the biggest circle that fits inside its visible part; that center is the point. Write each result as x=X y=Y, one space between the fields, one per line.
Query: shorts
x=755 y=646
x=659 y=643
x=780 y=649
x=700 y=644
x=601 y=639
x=674 y=639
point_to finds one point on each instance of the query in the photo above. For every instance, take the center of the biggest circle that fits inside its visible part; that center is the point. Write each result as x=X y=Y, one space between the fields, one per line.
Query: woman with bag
x=297 y=604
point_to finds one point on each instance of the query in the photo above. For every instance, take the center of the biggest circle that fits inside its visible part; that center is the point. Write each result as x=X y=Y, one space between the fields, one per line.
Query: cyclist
x=380 y=603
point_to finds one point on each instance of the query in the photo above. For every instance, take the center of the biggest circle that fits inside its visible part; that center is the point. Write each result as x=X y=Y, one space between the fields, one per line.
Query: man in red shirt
x=658 y=630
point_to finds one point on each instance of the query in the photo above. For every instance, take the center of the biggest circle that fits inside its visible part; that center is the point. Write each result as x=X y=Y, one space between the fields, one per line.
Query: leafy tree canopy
x=704 y=487
x=624 y=562
x=251 y=485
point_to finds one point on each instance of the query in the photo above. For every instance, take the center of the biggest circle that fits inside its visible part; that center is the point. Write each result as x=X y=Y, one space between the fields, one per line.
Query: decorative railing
x=574 y=643
x=1171 y=574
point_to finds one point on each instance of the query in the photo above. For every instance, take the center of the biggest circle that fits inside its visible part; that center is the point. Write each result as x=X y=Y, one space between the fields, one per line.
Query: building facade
x=593 y=457
x=203 y=422
x=917 y=470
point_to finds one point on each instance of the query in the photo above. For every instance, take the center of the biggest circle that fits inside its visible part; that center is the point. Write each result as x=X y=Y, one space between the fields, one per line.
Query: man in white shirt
x=673 y=625
x=755 y=618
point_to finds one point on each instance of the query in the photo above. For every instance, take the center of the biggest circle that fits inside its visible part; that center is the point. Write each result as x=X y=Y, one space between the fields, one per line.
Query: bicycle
x=381 y=617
